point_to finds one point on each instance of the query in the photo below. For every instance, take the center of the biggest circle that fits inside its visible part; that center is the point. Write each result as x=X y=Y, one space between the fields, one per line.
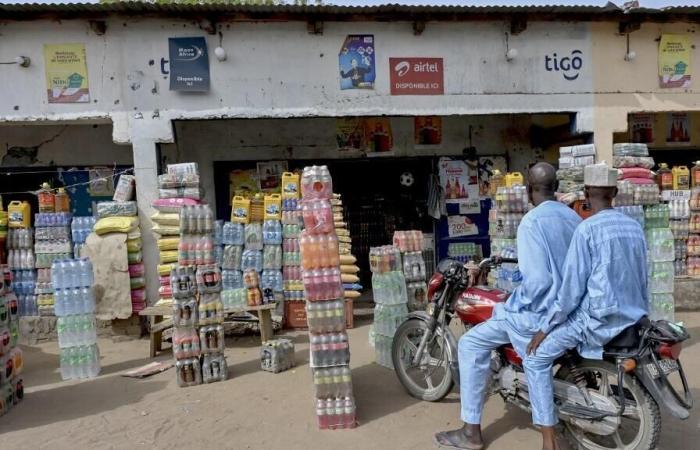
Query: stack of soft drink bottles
x=76 y=325
x=390 y=298
x=52 y=241
x=661 y=256
x=329 y=346
x=198 y=310
x=271 y=278
x=277 y=355
x=81 y=227
x=11 y=358
x=293 y=287
x=693 y=261
x=413 y=268
x=679 y=215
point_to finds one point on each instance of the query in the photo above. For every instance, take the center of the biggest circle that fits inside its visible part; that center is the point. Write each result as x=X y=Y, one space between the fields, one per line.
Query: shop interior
x=382 y=191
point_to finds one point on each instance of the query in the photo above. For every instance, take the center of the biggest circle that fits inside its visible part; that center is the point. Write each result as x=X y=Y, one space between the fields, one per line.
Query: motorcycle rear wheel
x=431 y=380
x=640 y=406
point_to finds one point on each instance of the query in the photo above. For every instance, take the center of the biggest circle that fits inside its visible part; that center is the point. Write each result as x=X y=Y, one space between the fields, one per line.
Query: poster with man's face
x=356 y=61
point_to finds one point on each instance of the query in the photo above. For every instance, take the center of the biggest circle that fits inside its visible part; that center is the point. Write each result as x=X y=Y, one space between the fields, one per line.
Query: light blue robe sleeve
x=533 y=263
x=577 y=270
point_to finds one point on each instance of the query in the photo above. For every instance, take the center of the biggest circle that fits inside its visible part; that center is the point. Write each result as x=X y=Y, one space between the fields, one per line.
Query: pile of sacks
x=348 y=266
x=120 y=216
x=179 y=187
x=572 y=160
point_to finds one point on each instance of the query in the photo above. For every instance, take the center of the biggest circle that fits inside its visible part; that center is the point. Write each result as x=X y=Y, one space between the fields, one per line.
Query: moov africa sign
x=416 y=76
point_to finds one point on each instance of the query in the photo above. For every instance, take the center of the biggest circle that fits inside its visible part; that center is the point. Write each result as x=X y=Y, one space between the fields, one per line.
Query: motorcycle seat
x=628 y=339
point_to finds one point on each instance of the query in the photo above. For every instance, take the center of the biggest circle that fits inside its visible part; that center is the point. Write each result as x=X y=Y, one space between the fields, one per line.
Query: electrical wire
x=84 y=183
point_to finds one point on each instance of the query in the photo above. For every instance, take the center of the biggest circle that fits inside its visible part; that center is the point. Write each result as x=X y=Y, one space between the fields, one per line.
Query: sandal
x=442 y=440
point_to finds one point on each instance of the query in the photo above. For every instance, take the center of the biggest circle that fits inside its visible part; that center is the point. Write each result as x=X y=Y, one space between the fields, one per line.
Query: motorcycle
x=613 y=403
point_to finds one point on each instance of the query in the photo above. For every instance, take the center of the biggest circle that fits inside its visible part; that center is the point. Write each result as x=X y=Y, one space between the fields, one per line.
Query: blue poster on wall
x=189 y=64
x=356 y=60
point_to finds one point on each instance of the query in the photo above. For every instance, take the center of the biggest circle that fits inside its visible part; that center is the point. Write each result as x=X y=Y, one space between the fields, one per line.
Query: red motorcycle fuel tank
x=475 y=304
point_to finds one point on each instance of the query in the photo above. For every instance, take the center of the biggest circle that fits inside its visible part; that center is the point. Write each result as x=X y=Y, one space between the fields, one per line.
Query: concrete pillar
x=607 y=121
x=146 y=171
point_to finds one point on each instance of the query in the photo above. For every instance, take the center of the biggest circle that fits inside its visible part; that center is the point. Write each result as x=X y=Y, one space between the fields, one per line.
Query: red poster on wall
x=416 y=76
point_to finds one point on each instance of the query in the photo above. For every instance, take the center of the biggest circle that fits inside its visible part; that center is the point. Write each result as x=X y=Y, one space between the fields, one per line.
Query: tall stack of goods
x=572 y=160
x=679 y=210
x=271 y=277
x=348 y=266
x=661 y=256
x=410 y=244
x=20 y=258
x=198 y=312
x=234 y=293
x=390 y=298
x=323 y=290
x=291 y=260
x=11 y=358
x=52 y=241
x=75 y=308
x=636 y=185
x=177 y=188
x=3 y=231
x=693 y=247
x=504 y=219
x=81 y=227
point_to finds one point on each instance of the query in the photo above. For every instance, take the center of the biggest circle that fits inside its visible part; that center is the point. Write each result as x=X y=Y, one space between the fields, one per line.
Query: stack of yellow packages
x=348 y=266
x=167 y=229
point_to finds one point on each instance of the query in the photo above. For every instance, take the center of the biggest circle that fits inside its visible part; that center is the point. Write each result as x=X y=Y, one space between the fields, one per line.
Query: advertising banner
x=189 y=64
x=416 y=76
x=356 y=61
x=66 y=73
x=674 y=61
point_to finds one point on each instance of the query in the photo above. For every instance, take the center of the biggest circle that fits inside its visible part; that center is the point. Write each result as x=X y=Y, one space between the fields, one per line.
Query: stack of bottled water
x=52 y=242
x=415 y=273
x=693 y=260
x=323 y=286
x=679 y=215
x=277 y=355
x=81 y=227
x=20 y=258
x=75 y=308
x=661 y=256
x=11 y=357
x=511 y=205
x=390 y=298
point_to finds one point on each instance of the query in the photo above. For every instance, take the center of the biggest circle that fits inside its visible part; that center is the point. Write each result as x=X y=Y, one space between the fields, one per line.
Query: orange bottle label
x=666 y=178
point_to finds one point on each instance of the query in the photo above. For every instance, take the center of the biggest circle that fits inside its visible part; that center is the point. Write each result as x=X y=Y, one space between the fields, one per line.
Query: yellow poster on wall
x=674 y=61
x=66 y=73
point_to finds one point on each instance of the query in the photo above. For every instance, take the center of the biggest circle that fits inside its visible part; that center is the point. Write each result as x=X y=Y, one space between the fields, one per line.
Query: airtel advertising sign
x=416 y=76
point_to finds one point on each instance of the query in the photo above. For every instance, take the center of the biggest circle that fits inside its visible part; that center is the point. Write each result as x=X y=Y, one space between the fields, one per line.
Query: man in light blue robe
x=604 y=291
x=543 y=239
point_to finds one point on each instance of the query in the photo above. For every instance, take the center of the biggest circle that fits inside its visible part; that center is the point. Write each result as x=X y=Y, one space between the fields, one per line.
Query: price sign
x=669 y=195
x=461 y=226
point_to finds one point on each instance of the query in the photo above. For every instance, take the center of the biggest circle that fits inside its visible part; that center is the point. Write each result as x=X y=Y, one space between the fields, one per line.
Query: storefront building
x=510 y=82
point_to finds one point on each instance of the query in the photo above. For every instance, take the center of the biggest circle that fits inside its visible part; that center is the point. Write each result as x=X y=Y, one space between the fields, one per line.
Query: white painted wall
x=69 y=144
x=278 y=69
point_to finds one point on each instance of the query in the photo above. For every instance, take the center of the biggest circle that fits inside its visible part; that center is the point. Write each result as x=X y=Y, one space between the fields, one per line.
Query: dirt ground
x=258 y=410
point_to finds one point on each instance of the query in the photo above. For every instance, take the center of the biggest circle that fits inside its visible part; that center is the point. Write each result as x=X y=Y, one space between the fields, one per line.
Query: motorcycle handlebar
x=495 y=260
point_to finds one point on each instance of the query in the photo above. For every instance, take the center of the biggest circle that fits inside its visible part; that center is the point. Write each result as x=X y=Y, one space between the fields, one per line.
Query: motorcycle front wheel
x=431 y=379
x=640 y=424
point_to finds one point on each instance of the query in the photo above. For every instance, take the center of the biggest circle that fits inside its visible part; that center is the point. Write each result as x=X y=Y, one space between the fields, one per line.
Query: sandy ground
x=257 y=410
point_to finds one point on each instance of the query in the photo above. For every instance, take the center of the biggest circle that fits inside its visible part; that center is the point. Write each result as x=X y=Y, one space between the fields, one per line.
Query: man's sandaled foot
x=456 y=440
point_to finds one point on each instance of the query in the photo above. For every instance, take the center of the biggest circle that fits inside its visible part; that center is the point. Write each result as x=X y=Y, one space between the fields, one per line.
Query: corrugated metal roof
x=204 y=7
x=223 y=6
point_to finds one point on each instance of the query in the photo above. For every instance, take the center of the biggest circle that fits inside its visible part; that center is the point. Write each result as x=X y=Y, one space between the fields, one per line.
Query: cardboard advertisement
x=356 y=62
x=427 y=131
x=350 y=133
x=378 y=134
x=66 y=73
x=678 y=128
x=642 y=128
x=674 y=61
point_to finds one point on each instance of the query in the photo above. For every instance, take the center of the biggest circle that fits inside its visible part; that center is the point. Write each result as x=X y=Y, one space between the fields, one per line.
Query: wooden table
x=158 y=324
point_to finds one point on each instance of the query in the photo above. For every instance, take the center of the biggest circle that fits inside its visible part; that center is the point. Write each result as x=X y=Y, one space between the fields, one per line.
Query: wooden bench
x=158 y=324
